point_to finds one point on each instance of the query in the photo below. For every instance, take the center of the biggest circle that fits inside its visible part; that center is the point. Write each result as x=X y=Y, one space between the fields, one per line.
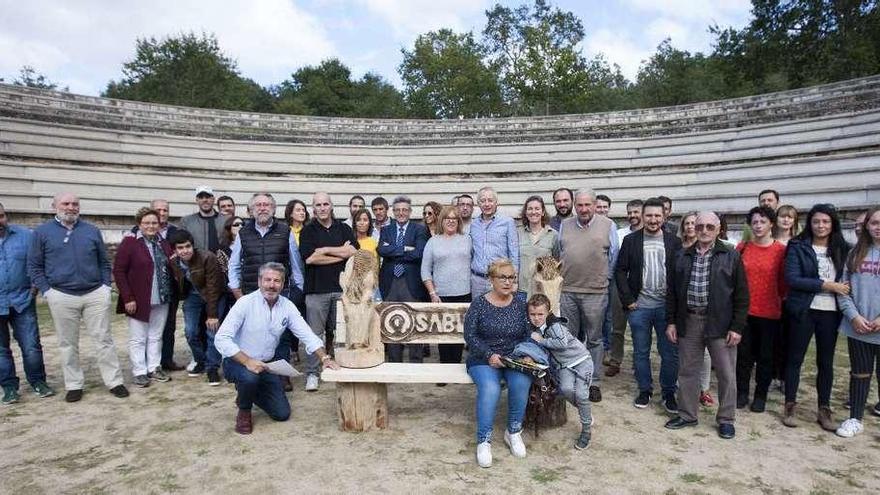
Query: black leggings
x=862 y=356
x=756 y=351
x=451 y=353
x=803 y=326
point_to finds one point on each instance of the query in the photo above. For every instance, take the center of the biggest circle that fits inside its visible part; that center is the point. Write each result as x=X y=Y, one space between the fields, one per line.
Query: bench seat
x=401 y=373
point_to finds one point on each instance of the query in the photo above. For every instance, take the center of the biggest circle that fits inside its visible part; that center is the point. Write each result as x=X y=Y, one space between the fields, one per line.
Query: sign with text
x=421 y=323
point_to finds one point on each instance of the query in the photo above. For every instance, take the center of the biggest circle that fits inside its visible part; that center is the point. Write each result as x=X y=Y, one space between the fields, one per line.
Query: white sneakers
x=850 y=428
x=514 y=441
x=484 y=454
x=311 y=383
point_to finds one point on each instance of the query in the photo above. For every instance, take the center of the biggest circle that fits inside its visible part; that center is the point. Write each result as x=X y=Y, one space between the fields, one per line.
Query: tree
x=536 y=52
x=675 y=77
x=186 y=70
x=444 y=76
x=29 y=77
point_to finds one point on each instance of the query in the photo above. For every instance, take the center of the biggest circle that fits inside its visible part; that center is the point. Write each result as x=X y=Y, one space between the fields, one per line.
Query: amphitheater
x=817 y=144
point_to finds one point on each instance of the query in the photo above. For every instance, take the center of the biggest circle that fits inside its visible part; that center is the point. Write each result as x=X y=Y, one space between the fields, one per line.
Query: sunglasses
x=708 y=227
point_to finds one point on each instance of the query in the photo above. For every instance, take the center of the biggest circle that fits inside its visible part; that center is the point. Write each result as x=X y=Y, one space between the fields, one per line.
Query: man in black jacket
x=706 y=306
x=644 y=267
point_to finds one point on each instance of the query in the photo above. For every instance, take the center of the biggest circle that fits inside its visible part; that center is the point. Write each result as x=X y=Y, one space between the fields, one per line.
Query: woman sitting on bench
x=494 y=324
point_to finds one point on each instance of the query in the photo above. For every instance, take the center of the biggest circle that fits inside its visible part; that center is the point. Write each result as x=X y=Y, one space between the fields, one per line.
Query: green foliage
x=186 y=70
x=29 y=77
x=445 y=76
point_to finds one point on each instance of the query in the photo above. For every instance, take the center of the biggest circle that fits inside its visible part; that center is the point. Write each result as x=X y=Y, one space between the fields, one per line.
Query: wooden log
x=359 y=358
x=362 y=406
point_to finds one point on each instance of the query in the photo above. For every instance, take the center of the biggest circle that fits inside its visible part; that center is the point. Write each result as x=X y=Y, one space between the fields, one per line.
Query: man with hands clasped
x=706 y=306
x=247 y=340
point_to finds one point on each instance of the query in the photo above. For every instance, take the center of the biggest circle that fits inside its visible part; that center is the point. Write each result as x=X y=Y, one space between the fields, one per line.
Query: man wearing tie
x=401 y=245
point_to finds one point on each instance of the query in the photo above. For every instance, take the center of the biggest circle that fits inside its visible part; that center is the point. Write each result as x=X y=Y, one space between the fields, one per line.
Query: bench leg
x=362 y=406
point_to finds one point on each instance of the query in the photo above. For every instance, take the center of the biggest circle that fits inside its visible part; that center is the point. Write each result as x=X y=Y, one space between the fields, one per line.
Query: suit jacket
x=416 y=236
x=133 y=273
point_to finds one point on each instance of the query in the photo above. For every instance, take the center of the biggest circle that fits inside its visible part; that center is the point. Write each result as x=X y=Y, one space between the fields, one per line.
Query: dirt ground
x=178 y=437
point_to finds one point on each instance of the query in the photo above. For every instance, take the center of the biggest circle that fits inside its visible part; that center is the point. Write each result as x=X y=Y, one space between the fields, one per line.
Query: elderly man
x=588 y=250
x=706 y=306
x=205 y=225
x=18 y=311
x=647 y=258
x=68 y=263
x=247 y=339
x=493 y=237
x=401 y=245
x=325 y=245
x=562 y=200
x=261 y=241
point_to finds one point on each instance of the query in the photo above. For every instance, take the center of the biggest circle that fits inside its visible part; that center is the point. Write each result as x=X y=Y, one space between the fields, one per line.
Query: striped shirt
x=698 y=286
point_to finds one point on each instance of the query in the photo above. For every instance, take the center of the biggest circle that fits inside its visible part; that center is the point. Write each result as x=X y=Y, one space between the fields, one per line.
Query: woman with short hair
x=493 y=326
x=142 y=272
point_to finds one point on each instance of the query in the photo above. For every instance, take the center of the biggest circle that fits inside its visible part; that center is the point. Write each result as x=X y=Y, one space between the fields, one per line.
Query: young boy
x=570 y=361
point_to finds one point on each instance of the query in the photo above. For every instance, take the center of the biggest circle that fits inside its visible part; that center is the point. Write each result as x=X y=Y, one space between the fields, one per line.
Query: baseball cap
x=204 y=190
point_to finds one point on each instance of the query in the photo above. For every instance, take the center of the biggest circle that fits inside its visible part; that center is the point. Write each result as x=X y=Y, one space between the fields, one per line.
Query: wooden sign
x=416 y=323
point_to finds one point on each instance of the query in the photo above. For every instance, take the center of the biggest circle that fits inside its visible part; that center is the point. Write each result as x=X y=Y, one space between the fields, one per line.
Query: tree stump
x=362 y=406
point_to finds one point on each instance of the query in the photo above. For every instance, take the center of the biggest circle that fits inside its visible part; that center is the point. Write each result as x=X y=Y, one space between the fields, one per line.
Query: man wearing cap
x=206 y=225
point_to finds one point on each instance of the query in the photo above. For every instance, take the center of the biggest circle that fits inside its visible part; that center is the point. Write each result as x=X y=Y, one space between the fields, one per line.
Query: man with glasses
x=588 y=251
x=68 y=263
x=325 y=244
x=493 y=237
x=205 y=225
x=465 y=204
x=706 y=307
x=401 y=245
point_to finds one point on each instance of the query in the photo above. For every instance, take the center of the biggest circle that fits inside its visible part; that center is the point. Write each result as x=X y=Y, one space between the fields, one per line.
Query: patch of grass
x=81 y=460
x=692 y=478
x=168 y=484
x=545 y=475
x=202 y=452
x=238 y=468
x=754 y=434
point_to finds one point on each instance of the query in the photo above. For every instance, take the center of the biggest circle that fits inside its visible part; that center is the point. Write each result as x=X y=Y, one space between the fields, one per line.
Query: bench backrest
x=414 y=323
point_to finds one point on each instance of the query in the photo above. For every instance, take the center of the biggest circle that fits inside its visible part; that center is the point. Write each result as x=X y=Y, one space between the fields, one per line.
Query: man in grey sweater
x=206 y=225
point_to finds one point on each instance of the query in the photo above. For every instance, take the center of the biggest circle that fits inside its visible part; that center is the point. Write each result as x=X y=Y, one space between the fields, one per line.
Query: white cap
x=204 y=190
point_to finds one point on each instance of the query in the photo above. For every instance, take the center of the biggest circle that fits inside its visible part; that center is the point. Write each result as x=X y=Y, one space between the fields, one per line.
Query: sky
x=82 y=44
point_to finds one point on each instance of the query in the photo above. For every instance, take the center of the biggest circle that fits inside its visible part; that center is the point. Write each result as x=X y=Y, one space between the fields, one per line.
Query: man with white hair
x=68 y=263
x=706 y=306
x=588 y=250
x=493 y=237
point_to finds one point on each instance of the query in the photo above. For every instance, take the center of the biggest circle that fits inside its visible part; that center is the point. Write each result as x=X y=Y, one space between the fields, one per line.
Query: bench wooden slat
x=401 y=373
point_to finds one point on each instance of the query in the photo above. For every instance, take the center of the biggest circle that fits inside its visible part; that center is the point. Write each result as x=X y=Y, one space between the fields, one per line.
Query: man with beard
x=562 y=199
x=68 y=263
x=379 y=206
x=355 y=204
x=18 y=311
x=325 y=245
x=206 y=225
x=465 y=204
x=618 y=316
x=261 y=241
x=247 y=339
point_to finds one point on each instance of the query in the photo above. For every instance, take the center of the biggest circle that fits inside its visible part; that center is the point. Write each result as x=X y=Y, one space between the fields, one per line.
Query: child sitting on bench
x=571 y=362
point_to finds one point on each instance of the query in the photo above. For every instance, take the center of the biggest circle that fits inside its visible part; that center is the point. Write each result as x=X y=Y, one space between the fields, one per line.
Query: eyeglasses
x=428 y=214
x=708 y=227
x=506 y=278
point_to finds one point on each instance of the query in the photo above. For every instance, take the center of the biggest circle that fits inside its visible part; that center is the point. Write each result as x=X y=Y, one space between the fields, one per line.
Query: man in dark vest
x=264 y=240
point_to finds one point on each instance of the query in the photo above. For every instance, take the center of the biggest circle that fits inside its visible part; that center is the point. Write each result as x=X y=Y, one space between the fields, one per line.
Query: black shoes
x=119 y=391
x=742 y=401
x=595 y=394
x=643 y=399
x=678 y=423
x=758 y=405
x=726 y=431
x=73 y=395
x=670 y=405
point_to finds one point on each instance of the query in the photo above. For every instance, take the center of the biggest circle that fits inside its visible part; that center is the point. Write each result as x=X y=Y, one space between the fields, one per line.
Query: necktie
x=399 y=268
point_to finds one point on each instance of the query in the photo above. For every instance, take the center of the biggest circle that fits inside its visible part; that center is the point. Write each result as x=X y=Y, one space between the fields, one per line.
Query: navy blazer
x=416 y=236
x=802 y=276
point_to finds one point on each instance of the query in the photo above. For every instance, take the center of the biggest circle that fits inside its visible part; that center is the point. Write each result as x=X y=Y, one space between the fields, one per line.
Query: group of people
x=253 y=287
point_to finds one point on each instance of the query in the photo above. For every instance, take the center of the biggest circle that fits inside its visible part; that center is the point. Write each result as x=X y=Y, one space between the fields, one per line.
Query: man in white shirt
x=247 y=340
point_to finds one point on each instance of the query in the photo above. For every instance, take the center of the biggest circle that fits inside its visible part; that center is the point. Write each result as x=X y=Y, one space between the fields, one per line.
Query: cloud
x=619 y=48
x=408 y=18
x=84 y=44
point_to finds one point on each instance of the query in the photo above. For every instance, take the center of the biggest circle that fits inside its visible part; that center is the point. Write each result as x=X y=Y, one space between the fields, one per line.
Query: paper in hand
x=283 y=368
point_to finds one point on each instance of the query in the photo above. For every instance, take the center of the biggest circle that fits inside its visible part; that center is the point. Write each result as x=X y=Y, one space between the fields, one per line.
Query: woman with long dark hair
x=814 y=265
x=861 y=318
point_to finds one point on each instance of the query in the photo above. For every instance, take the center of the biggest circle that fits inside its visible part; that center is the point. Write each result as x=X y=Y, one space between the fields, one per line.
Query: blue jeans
x=488 y=381
x=27 y=334
x=642 y=321
x=194 y=317
x=262 y=389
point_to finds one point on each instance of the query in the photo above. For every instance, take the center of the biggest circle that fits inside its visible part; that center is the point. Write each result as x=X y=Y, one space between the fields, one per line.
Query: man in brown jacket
x=200 y=285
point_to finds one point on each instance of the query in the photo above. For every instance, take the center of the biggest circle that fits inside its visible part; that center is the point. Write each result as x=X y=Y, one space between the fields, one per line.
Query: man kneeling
x=248 y=337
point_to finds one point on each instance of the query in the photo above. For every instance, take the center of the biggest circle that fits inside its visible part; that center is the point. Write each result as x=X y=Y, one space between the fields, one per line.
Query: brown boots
x=823 y=417
x=788 y=418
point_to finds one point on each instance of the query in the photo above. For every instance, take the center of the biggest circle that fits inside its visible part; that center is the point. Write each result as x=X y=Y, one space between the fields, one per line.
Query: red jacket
x=133 y=274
